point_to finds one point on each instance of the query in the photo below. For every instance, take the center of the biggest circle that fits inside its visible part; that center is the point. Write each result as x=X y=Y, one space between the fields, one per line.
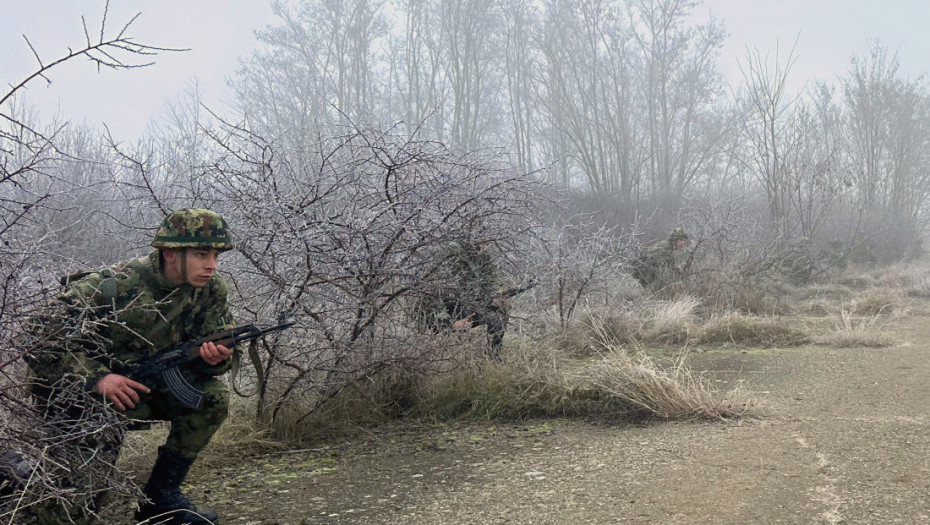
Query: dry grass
x=675 y=392
x=919 y=288
x=743 y=330
x=651 y=323
x=873 y=305
x=671 y=322
x=538 y=380
x=605 y=367
x=851 y=331
x=818 y=308
x=827 y=292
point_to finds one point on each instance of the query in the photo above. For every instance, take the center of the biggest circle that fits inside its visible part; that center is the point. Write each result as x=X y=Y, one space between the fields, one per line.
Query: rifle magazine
x=182 y=390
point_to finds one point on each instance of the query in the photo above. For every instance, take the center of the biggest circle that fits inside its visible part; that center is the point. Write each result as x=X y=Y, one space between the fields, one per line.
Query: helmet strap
x=183 y=260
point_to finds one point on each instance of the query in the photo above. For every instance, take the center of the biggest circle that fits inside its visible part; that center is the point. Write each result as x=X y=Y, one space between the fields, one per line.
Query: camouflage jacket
x=658 y=265
x=473 y=279
x=106 y=320
x=466 y=283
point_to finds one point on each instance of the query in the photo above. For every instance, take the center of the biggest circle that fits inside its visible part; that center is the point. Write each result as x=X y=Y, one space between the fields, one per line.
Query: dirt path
x=849 y=444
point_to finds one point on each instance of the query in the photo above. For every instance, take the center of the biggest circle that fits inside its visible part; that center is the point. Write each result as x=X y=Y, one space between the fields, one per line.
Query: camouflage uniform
x=658 y=265
x=472 y=283
x=116 y=316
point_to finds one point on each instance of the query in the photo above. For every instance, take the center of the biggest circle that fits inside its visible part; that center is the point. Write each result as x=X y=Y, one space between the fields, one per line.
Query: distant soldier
x=659 y=266
x=471 y=296
x=106 y=320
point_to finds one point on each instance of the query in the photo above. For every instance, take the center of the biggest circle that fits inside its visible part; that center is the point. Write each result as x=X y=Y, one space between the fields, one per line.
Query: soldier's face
x=194 y=266
x=679 y=244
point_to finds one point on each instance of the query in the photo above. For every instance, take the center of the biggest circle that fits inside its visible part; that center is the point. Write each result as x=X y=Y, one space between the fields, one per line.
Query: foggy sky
x=219 y=31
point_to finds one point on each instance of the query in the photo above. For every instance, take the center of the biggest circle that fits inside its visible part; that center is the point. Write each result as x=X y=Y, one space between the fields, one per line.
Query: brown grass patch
x=851 y=331
x=743 y=330
x=873 y=305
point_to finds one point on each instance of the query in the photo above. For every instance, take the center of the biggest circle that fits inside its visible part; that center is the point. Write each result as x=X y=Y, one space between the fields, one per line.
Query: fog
x=217 y=33
x=350 y=144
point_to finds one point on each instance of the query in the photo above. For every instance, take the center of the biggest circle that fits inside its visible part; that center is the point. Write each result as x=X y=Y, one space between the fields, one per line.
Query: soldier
x=471 y=296
x=139 y=308
x=657 y=266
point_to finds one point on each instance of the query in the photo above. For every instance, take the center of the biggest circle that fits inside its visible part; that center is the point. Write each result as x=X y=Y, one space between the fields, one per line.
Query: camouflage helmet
x=193 y=228
x=678 y=233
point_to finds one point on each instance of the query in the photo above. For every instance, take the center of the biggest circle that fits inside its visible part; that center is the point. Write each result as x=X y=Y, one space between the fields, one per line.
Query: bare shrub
x=581 y=261
x=346 y=238
x=36 y=221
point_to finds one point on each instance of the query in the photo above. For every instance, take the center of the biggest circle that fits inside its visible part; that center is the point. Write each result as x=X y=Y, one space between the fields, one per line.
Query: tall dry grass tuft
x=674 y=393
x=853 y=331
x=873 y=305
x=744 y=330
x=670 y=322
x=634 y=380
x=919 y=288
x=535 y=380
x=651 y=322
x=538 y=379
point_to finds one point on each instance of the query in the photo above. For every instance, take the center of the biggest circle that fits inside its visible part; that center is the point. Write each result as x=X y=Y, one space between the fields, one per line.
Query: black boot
x=167 y=504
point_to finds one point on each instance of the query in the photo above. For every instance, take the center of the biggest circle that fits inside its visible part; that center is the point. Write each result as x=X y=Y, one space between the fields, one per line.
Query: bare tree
x=678 y=84
x=767 y=127
x=887 y=117
x=586 y=92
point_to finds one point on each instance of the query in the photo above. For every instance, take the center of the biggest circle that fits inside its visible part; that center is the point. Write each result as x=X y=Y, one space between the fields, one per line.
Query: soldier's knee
x=216 y=409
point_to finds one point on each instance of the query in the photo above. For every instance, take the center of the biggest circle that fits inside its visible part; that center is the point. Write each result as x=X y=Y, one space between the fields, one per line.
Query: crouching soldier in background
x=471 y=296
x=659 y=266
x=107 y=320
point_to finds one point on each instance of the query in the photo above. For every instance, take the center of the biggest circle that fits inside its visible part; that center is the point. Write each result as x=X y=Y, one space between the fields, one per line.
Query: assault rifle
x=506 y=294
x=513 y=292
x=167 y=364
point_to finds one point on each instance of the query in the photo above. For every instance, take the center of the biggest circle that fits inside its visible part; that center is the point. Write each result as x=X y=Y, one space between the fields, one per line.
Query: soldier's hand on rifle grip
x=214 y=354
x=121 y=391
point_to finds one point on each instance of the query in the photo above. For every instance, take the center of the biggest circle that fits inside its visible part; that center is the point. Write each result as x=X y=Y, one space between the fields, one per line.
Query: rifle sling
x=259 y=370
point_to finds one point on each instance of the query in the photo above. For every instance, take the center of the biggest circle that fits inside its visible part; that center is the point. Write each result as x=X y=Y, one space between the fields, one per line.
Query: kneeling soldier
x=136 y=309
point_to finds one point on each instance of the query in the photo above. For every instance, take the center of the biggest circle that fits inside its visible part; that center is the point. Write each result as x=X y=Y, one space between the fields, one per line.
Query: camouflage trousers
x=191 y=430
x=495 y=322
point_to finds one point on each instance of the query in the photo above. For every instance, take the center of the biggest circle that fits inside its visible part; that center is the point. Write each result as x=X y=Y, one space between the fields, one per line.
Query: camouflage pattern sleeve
x=66 y=340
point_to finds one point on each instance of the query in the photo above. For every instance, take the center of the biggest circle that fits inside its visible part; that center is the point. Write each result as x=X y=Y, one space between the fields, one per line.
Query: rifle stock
x=167 y=365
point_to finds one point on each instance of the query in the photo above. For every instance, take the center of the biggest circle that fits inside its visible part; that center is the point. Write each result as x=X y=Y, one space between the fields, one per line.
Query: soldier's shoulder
x=101 y=284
